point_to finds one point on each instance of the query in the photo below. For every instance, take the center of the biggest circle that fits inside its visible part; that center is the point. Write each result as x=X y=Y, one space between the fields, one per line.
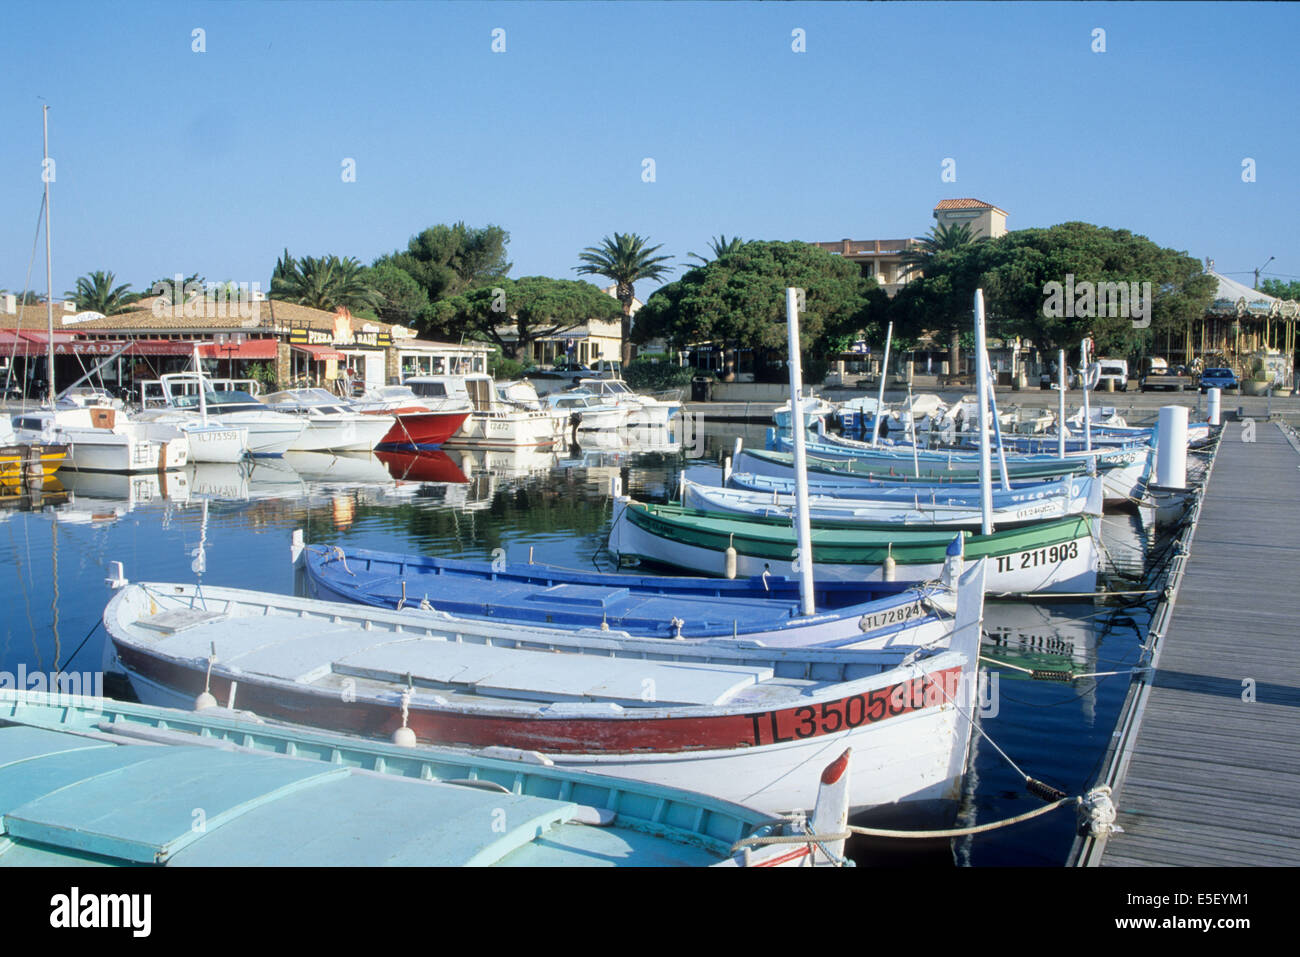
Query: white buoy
x=1171 y=447
x=889 y=571
x=1213 y=398
x=404 y=737
x=205 y=700
x=729 y=562
x=726 y=471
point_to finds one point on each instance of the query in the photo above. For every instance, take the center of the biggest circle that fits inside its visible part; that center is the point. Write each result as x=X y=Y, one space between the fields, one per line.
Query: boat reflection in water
x=107 y=496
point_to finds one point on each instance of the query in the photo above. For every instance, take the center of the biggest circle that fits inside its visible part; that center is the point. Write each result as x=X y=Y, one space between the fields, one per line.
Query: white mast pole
x=880 y=400
x=986 y=486
x=997 y=426
x=803 y=529
x=49 y=265
x=203 y=398
x=1061 y=386
x=1087 y=411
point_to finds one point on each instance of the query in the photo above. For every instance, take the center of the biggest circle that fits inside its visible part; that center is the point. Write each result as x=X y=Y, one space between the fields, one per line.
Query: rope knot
x=1097 y=813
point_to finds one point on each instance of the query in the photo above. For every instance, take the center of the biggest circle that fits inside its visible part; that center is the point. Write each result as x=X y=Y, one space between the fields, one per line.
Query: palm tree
x=325 y=283
x=942 y=238
x=95 y=292
x=624 y=259
x=720 y=246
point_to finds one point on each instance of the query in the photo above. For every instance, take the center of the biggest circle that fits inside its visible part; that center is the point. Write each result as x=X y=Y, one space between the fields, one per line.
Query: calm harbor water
x=231 y=526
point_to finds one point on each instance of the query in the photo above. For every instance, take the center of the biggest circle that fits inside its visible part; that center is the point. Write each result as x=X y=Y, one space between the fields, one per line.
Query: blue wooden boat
x=90 y=781
x=763 y=609
x=947 y=493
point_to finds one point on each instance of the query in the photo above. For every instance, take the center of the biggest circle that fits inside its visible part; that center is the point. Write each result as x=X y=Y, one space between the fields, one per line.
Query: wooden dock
x=1205 y=762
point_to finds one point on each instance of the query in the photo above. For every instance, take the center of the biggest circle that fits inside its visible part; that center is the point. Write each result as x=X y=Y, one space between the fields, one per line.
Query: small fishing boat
x=93 y=781
x=750 y=724
x=953 y=494
x=912 y=512
x=813 y=410
x=1123 y=472
x=1054 y=556
x=765 y=610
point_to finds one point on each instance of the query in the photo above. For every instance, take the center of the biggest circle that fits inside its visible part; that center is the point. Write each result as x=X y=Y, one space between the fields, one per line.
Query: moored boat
x=912 y=513
x=1055 y=556
x=739 y=722
x=763 y=609
x=87 y=780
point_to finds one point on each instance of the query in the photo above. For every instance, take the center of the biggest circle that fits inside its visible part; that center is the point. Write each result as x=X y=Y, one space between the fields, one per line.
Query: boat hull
x=1022 y=561
x=762 y=741
x=419 y=428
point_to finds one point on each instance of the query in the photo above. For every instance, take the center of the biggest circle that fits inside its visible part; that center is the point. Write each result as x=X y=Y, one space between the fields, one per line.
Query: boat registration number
x=829 y=717
x=1038 y=557
x=219 y=436
x=891 y=616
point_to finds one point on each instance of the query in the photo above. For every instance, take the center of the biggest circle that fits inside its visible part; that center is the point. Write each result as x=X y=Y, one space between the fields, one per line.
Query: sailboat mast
x=982 y=378
x=49 y=266
x=803 y=527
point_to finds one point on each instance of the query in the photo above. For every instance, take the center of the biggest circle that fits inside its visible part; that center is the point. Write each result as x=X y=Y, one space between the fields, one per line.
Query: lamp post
x=229 y=343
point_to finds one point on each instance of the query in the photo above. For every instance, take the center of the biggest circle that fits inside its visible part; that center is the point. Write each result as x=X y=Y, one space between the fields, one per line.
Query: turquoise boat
x=89 y=781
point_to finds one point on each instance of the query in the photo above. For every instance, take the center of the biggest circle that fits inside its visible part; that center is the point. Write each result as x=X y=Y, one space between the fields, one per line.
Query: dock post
x=1171 y=447
x=1212 y=398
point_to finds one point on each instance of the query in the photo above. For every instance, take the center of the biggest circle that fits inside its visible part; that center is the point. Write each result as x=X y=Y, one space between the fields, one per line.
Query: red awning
x=65 y=344
x=25 y=342
x=248 y=349
x=321 y=353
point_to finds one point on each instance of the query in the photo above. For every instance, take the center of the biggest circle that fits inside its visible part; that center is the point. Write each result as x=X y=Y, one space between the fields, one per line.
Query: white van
x=1108 y=370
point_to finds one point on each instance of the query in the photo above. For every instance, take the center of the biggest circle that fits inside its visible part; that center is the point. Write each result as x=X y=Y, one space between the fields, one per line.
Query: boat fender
x=890 y=568
x=677 y=624
x=404 y=737
x=729 y=565
x=205 y=701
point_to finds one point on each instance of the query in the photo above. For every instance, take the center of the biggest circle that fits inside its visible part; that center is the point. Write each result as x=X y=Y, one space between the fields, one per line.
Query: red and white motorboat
x=419 y=423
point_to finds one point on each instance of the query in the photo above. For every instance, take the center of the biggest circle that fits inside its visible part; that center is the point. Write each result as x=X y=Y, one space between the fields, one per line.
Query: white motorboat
x=492 y=423
x=104 y=439
x=269 y=432
x=332 y=425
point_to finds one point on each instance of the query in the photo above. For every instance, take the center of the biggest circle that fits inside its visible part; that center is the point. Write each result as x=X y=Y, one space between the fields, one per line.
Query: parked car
x=1048 y=380
x=1109 y=370
x=1219 y=378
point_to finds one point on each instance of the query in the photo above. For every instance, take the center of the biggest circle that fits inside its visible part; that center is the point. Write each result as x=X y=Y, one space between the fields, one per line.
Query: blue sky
x=170 y=160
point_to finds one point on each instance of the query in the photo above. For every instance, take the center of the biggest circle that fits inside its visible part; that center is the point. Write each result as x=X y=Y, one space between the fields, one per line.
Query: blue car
x=1219 y=379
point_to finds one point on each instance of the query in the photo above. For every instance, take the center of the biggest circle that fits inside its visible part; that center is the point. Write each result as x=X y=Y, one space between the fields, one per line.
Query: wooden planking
x=1213 y=779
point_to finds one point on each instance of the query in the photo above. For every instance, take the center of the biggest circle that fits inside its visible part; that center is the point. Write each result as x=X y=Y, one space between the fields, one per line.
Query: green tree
x=401 y=299
x=165 y=287
x=720 y=246
x=1280 y=290
x=921 y=259
x=1015 y=271
x=448 y=260
x=626 y=259
x=514 y=313
x=325 y=283
x=96 y=292
x=740 y=301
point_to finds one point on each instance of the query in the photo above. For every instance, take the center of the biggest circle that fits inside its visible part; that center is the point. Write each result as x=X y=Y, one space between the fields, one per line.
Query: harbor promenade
x=1206 y=760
